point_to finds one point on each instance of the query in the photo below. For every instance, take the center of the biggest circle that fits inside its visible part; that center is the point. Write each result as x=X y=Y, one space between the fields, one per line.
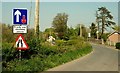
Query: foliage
x=84 y=32
x=116 y=28
x=49 y=57
x=105 y=36
x=60 y=24
x=7 y=31
x=29 y=35
x=8 y=52
x=118 y=45
x=105 y=18
x=60 y=42
x=93 y=30
x=49 y=31
x=42 y=56
x=73 y=37
x=70 y=33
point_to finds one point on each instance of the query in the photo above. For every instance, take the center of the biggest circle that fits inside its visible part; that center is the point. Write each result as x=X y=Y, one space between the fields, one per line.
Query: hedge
x=41 y=57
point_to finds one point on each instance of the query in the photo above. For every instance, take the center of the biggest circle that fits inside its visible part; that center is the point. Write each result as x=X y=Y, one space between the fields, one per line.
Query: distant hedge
x=118 y=45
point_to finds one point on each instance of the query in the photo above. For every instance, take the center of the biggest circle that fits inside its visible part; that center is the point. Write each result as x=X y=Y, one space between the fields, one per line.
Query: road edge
x=80 y=58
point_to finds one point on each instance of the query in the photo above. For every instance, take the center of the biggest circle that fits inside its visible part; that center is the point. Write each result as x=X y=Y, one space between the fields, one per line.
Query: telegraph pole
x=30 y=13
x=80 y=30
x=37 y=19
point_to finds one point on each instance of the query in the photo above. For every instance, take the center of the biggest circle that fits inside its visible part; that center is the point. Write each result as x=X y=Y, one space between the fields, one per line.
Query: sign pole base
x=19 y=55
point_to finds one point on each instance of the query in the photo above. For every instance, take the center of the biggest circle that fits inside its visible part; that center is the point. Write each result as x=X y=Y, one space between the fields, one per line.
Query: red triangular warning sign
x=21 y=43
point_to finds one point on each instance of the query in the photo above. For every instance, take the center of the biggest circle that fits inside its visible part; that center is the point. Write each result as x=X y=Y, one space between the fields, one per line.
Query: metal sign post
x=19 y=55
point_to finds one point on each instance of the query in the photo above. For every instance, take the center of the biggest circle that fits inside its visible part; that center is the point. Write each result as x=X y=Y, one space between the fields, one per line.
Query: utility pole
x=37 y=19
x=30 y=13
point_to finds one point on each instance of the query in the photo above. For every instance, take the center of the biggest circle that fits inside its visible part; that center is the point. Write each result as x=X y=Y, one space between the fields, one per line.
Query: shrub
x=71 y=42
x=60 y=42
x=34 y=45
x=48 y=50
x=117 y=45
x=41 y=57
x=73 y=37
x=104 y=37
x=80 y=38
x=8 y=52
x=35 y=64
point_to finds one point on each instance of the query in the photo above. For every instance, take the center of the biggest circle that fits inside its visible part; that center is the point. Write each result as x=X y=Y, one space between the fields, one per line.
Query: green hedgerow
x=117 y=45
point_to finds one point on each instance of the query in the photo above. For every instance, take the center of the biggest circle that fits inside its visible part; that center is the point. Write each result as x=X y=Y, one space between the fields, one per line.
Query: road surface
x=101 y=59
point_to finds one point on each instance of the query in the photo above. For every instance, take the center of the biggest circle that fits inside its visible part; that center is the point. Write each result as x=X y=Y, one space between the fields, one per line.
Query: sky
x=79 y=12
x=61 y=0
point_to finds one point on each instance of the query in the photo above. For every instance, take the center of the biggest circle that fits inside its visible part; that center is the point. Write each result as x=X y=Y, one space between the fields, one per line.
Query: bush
x=34 y=45
x=41 y=57
x=104 y=37
x=41 y=64
x=35 y=64
x=118 y=45
x=8 y=52
x=73 y=37
x=71 y=42
x=60 y=42
x=48 y=50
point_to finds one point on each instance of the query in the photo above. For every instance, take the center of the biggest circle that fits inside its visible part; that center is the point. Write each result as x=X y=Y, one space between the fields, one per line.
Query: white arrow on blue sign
x=20 y=16
x=17 y=13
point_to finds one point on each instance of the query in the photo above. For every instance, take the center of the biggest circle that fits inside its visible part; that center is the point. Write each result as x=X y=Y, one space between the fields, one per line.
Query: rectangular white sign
x=20 y=29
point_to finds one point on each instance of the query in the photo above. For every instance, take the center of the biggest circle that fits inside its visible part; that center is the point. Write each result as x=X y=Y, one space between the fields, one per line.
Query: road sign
x=21 y=43
x=20 y=16
x=19 y=29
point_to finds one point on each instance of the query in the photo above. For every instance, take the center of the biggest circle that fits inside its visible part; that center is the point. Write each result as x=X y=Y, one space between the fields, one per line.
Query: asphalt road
x=101 y=59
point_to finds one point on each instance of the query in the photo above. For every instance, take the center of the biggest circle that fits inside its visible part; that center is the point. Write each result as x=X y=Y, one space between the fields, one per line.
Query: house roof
x=113 y=33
